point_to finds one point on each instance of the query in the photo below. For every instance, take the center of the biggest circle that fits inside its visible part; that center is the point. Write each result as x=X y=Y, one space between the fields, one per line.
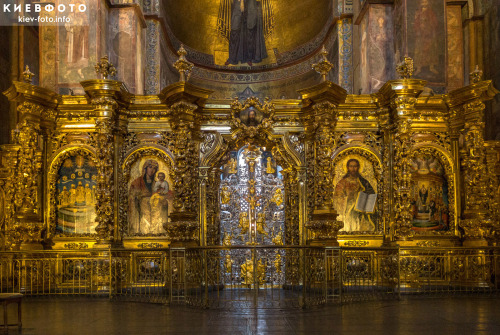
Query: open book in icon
x=366 y=202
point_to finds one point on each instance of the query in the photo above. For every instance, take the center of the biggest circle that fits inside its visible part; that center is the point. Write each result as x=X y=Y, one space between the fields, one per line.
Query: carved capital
x=404 y=104
x=104 y=102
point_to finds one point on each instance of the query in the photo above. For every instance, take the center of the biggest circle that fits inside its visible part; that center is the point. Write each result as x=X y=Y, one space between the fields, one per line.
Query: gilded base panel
x=360 y=241
x=69 y=243
x=146 y=243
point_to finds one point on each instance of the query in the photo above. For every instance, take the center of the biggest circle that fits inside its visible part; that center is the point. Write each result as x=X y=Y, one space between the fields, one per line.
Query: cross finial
x=323 y=66
x=183 y=65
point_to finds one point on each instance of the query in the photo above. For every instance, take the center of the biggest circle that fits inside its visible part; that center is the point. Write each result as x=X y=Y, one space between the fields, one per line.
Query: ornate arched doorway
x=252 y=207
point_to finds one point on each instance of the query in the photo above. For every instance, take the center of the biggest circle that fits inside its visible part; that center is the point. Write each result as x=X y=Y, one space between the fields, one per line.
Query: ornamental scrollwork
x=425 y=244
x=37 y=110
x=151 y=245
x=357 y=115
x=76 y=246
x=251 y=118
x=184 y=146
x=212 y=144
x=320 y=127
x=356 y=243
x=212 y=206
x=291 y=185
x=297 y=144
x=477 y=221
x=208 y=142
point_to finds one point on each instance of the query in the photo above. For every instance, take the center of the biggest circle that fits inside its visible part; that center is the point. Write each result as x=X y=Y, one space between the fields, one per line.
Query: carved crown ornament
x=405 y=68
x=105 y=68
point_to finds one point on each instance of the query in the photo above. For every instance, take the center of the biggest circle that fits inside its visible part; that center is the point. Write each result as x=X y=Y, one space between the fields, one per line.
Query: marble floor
x=472 y=315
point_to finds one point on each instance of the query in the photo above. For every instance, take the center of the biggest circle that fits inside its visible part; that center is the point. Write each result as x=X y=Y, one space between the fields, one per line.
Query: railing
x=252 y=276
x=259 y=276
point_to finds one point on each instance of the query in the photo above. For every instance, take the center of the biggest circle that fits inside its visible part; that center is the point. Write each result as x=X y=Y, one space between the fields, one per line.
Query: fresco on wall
x=399 y=26
x=455 y=47
x=429 y=194
x=150 y=196
x=76 y=196
x=381 y=50
x=355 y=193
x=78 y=44
x=426 y=39
x=126 y=48
x=364 y=70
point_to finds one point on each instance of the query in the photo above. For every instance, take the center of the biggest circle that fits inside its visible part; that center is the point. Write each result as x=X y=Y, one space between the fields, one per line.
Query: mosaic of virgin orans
x=76 y=196
x=244 y=23
x=149 y=197
x=429 y=202
x=355 y=193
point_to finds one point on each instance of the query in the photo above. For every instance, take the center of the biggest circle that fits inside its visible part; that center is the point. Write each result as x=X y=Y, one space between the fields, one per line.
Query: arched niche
x=357 y=191
x=71 y=192
x=433 y=187
x=145 y=197
x=220 y=155
x=252 y=205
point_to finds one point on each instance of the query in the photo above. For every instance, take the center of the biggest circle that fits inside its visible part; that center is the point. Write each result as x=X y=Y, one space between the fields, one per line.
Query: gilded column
x=186 y=137
x=292 y=224
x=403 y=93
x=26 y=181
x=212 y=206
x=104 y=95
x=25 y=157
x=184 y=101
x=386 y=130
x=320 y=104
x=478 y=221
x=493 y=173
